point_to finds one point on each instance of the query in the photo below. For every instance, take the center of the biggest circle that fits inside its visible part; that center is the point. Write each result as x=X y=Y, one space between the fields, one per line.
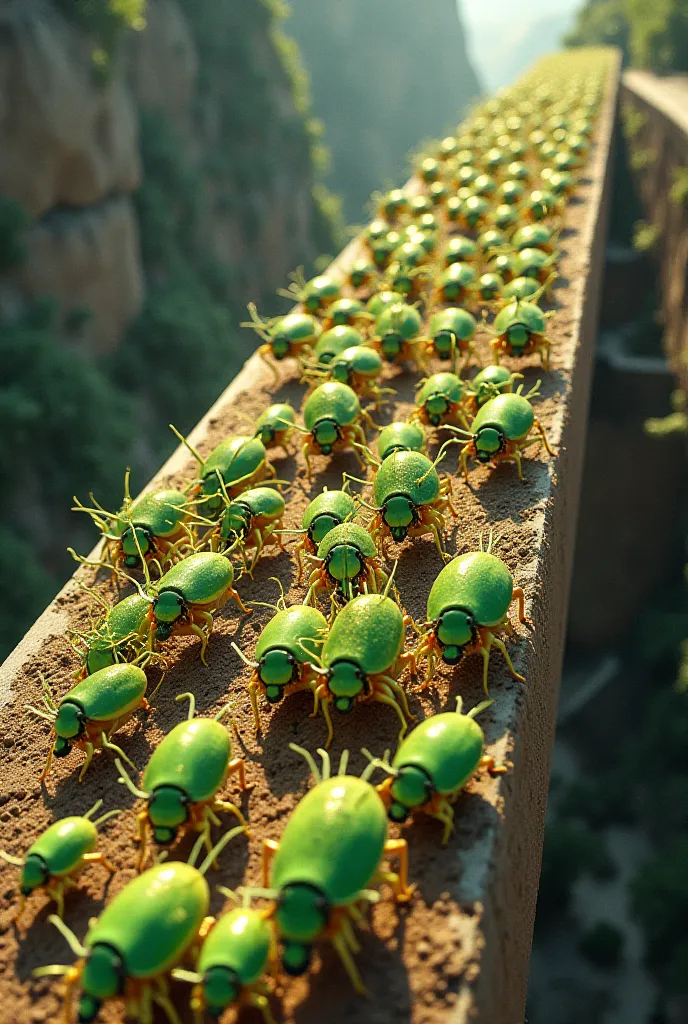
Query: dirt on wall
x=417 y=961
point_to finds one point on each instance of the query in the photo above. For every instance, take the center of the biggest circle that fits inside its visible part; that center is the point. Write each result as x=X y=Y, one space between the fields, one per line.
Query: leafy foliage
x=13 y=221
x=651 y=35
x=602 y=945
x=659 y=900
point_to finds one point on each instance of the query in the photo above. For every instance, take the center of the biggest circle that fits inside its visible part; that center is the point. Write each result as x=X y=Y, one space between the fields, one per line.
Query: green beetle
x=396 y=334
x=381 y=249
x=327 y=510
x=488 y=383
x=184 y=600
x=346 y=561
x=474 y=211
x=363 y=657
x=333 y=342
x=501 y=430
x=346 y=313
x=400 y=436
x=440 y=400
x=182 y=779
x=55 y=860
x=144 y=932
x=286 y=654
x=539 y=205
x=510 y=192
x=534 y=263
x=467 y=612
x=393 y=204
x=159 y=520
x=518 y=171
x=290 y=336
x=519 y=329
x=233 y=466
x=316 y=295
x=253 y=520
x=457 y=283
x=433 y=764
x=429 y=169
x=460 y=249
x=504 y=217
x=522 y=288
x=275 y=426
x=452 y=332
x=360 y=367
x=492 y=239
x=92 y=711
x=332 y=417
x=381 y=300
x=418 y=206
x=123 y=634
x=438 y=193
x=535 y=236
x=411 y=499
x=490 y=286
x=484 y=185
x=562 y=183
x=362 y=273
x=235 y=955
x=317 y=886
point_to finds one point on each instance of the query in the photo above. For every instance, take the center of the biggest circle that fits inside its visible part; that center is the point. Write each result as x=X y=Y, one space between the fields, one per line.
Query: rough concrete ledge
x=460 y=951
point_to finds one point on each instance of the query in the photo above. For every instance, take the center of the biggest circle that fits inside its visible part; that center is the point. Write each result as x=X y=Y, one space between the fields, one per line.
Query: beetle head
x=236 y=520
x=221 y=986
x=325 y=435
x=280 y=345
x=399 y=513
x=340 y=371
x=69 y=725
x=488 y=441
x=411 y=787
x=211 y=489
x=445 y=343
x=391 y=344
x=344 y=562
x=346 y=682
x=518 y=335
x=301 y=915
x=135 y=541
x=321 y=526
x=35 y=872
x=436 y=407
x=99 y=657
x=455 y=628
x=167 y=810
x=168 y=607
x=102 y=978
x=277 y=668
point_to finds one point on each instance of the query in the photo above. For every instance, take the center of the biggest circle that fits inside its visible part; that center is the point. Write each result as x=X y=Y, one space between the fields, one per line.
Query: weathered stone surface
x=65 y=140
x=88 y=258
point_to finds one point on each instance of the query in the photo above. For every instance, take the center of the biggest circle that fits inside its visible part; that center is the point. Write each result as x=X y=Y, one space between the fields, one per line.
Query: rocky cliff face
x=386 y=74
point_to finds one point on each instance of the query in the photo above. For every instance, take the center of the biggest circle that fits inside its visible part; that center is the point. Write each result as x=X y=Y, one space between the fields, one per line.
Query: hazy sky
x=505 y=36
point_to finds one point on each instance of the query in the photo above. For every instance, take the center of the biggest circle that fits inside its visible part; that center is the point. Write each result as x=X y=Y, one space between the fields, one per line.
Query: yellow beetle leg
x=339 y=943
x=202 y=634
x=499 y=644
x=485 y=651
x=399 y=692
x=236 y=596
x=399 y=848
x=48 y=765
x=488 y=762
x=260 y=544
x=463 y=461
x=541 y=430
x=516 y=457
x=263 y=352
x=326 y=701
x=306 y=449
x=142 y=819
x=162 y=998
x=144 y=1011
x=259 y=1002
x=253 y=689
x=519 y=595
x=99 y=858
x=225 y=805
x=381 y=697
x=89 y=757
x=107 y=744
x=299 y=561
x=270 y=848
x=238 y=765
x=443 y=811
x=71 y=979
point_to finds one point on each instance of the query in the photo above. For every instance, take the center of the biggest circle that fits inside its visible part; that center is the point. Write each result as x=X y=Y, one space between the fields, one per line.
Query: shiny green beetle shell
x=488 y=380
x=506 y=417
x=333 y=342
x=405 y=481
x=199 y=579
x=400 y=436
x=360 y=360
x=143 y=932
x=294 y=329
x=125 y=622
x=449 y=328
x=438 y=393
x=329 y=407
x=345 y=312
x=474 y=210
x=492 y=239
x=460 y=250
x=396 y=324
x=238 y=517
x=103 y=696
x=533 y=236
x=457 y=281
x=234 y=460
x=234 y=954
x=274 y=423
x=490 y=285
x=187 y=767
x=365 y=639
x=292 y=637
x=348 y=817
x=320 y=292
x=326 y=511
x=518 y=321
x=361 y=273
x=532 y=263
x=152 y=515
x=521 y=288
x=57 y=852
x=380 y=300
x=438 y=756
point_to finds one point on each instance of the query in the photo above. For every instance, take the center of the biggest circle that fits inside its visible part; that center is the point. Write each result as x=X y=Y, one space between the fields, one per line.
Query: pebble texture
x=459 y=951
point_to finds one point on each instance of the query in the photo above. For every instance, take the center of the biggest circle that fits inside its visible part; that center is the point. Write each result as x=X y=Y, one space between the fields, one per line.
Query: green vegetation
x=660 y=903
x=571 y=851
x=679 y=188
x=13 y=222
x=651 y=35
x=645 y=236
x=602 y=945
x=104 y=21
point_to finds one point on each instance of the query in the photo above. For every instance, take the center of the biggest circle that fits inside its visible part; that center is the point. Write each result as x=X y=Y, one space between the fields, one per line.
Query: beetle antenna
x=51 y=970
x=229 y=893
x=326 y=764
x=534 y=391
x=346 y=477
x=343 y=763
x=67 y=933
x=190 y=447
x=376 y=762
x=301 y=643
x=229 y=706
x=218 y=847
x=9 y=859
x=385 y=592
x=310 y=761
x=256 y=322
x=179 y=974
x=49 y=717
x=478 y=708
x=192 y=703
x=125 y=778
x=96 y=807
x=250 y=892
x=367 y=453
x=246 y=661
x=108 y=814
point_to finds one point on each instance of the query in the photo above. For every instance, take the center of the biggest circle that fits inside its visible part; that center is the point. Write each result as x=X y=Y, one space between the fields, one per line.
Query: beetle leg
x=238 y=765
x=105 y=742
x=263 y=352
x=306 y=449
x=398 y=692
x=541 y=430
x=71 y=979
x=339 y=943
x=402 y=890
x=99 y=858
x=162 y=998
x=58 y=895
x=48 y=765
x=499 y=644
x=89 y=757
x=260 y=1003
x=299 y=560
x=225 y=805
x=380 y=697
x=519 y=595
x=270 y=848
x=326 y=701
x=488 y=762
x=233 y=593
x=253 y=690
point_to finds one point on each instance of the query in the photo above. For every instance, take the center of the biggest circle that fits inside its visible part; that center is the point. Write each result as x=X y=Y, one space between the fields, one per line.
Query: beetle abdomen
x=64 y=843
x=109 y=693
x=299 y=630
x=478 y=582
x=447 y=747
x=369 y=631
x=240 y=941
x=201 y=578
x=193 y=757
